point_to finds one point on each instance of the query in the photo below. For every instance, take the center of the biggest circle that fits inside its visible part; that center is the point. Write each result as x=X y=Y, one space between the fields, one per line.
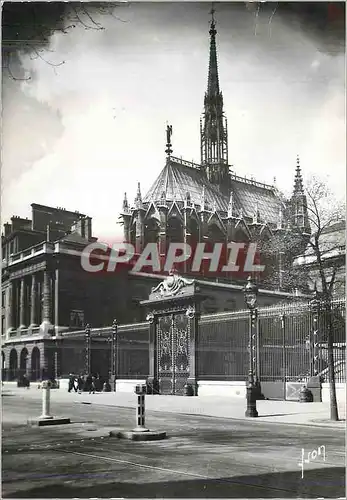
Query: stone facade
x=45 y=290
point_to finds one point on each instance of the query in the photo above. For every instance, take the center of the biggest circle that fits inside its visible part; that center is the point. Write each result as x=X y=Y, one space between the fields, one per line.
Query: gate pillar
x=173 y=315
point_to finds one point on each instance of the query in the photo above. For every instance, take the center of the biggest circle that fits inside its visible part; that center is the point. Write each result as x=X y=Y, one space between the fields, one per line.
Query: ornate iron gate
x=173 y=340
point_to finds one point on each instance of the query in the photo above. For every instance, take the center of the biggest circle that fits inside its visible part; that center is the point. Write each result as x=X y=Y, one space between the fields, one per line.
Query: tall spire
x=213 y=126
x=213 y=80
x=299 y=211
x=298 y=182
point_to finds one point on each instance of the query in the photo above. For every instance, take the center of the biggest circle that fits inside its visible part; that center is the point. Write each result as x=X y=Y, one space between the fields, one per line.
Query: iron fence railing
x=291 y=345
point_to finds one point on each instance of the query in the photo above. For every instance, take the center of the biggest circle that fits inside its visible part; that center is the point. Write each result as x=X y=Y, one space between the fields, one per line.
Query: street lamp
x=315 y=308
x=87 y=337
x=114 y=354
x=251 y=292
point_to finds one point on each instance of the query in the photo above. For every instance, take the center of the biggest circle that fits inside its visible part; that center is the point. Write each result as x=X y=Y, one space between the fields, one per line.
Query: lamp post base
x=251 y=410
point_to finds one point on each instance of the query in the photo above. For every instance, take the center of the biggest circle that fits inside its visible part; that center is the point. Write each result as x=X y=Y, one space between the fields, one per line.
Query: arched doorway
x=35 y=364
x=13 y=367
x=23 y=361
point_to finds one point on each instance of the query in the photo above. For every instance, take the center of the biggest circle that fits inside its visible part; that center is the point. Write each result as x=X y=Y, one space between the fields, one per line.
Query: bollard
x=140 y=390
x=46 y=394
x=46 y=418
x=140 y=433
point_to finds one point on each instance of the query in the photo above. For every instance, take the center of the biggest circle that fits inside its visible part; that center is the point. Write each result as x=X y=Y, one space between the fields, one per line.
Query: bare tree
x=324 y=211
x=301 y=258
x=27 y=27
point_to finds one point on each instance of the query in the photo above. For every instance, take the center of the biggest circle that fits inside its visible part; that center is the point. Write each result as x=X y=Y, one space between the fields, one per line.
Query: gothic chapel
x=209 y=202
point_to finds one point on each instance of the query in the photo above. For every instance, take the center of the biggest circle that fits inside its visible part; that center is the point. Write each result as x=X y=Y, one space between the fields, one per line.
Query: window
x=77 y=318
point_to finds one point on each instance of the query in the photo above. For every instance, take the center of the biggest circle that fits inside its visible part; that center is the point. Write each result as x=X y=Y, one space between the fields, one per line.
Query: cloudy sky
x=90 y=122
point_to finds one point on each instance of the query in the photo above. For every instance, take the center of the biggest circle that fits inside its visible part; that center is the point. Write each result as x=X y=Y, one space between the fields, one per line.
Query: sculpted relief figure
x=172 y=284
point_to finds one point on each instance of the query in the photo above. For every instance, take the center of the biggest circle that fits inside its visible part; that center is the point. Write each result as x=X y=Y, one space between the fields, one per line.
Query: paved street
x=204 y=456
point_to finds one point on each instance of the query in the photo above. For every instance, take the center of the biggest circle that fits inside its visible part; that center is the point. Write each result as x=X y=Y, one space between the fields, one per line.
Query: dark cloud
x=25 y=23
x=324 y=22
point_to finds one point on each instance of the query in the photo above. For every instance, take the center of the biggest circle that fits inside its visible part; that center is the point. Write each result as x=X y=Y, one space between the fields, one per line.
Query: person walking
x=93 y=386
x=71 y=382
x=80 y=383
x=75 y=383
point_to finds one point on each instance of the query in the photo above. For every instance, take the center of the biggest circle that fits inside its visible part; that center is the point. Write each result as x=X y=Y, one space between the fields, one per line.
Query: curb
x=311 y=423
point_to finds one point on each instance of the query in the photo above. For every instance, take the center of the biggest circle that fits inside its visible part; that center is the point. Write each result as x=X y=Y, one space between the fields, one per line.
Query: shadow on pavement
x=327 y=483
x=278 y=415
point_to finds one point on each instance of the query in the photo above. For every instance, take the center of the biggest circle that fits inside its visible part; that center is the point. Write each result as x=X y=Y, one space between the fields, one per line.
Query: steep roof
x=177 y=179
x=180 y=177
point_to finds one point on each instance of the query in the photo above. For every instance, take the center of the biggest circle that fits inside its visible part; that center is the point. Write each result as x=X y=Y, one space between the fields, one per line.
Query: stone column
x=22 y=304
x=33 y=301
x=46 y=325
x=9 y=310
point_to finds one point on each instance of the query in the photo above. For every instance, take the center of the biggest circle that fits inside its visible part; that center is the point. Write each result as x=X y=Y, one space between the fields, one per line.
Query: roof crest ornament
x=168 y=149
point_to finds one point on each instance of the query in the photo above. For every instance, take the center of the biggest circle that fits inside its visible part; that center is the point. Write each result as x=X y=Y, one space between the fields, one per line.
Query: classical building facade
x=46 y=292
x=333 y=257
x=210 y=203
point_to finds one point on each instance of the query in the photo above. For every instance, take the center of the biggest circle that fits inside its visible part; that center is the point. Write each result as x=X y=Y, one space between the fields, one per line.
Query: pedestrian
x=80 y=384
x=71 y=382
x=93 y=386
x=88 y=383
x=75 y=385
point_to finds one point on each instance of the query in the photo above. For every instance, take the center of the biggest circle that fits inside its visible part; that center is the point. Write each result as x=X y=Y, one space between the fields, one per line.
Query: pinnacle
x=298 y=182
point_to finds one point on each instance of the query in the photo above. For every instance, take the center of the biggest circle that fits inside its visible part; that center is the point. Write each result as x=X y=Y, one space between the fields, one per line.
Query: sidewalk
x=285 y=412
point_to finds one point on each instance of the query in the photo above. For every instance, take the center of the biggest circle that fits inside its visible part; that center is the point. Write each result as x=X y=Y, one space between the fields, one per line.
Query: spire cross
x=213 y=22
x=212 y=13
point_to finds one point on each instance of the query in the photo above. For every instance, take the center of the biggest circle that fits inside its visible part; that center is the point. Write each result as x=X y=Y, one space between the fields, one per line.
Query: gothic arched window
x=151 y=231
x=174 y=230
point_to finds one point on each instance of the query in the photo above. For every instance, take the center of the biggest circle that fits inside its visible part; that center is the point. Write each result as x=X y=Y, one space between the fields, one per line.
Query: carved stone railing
x=45 y=247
